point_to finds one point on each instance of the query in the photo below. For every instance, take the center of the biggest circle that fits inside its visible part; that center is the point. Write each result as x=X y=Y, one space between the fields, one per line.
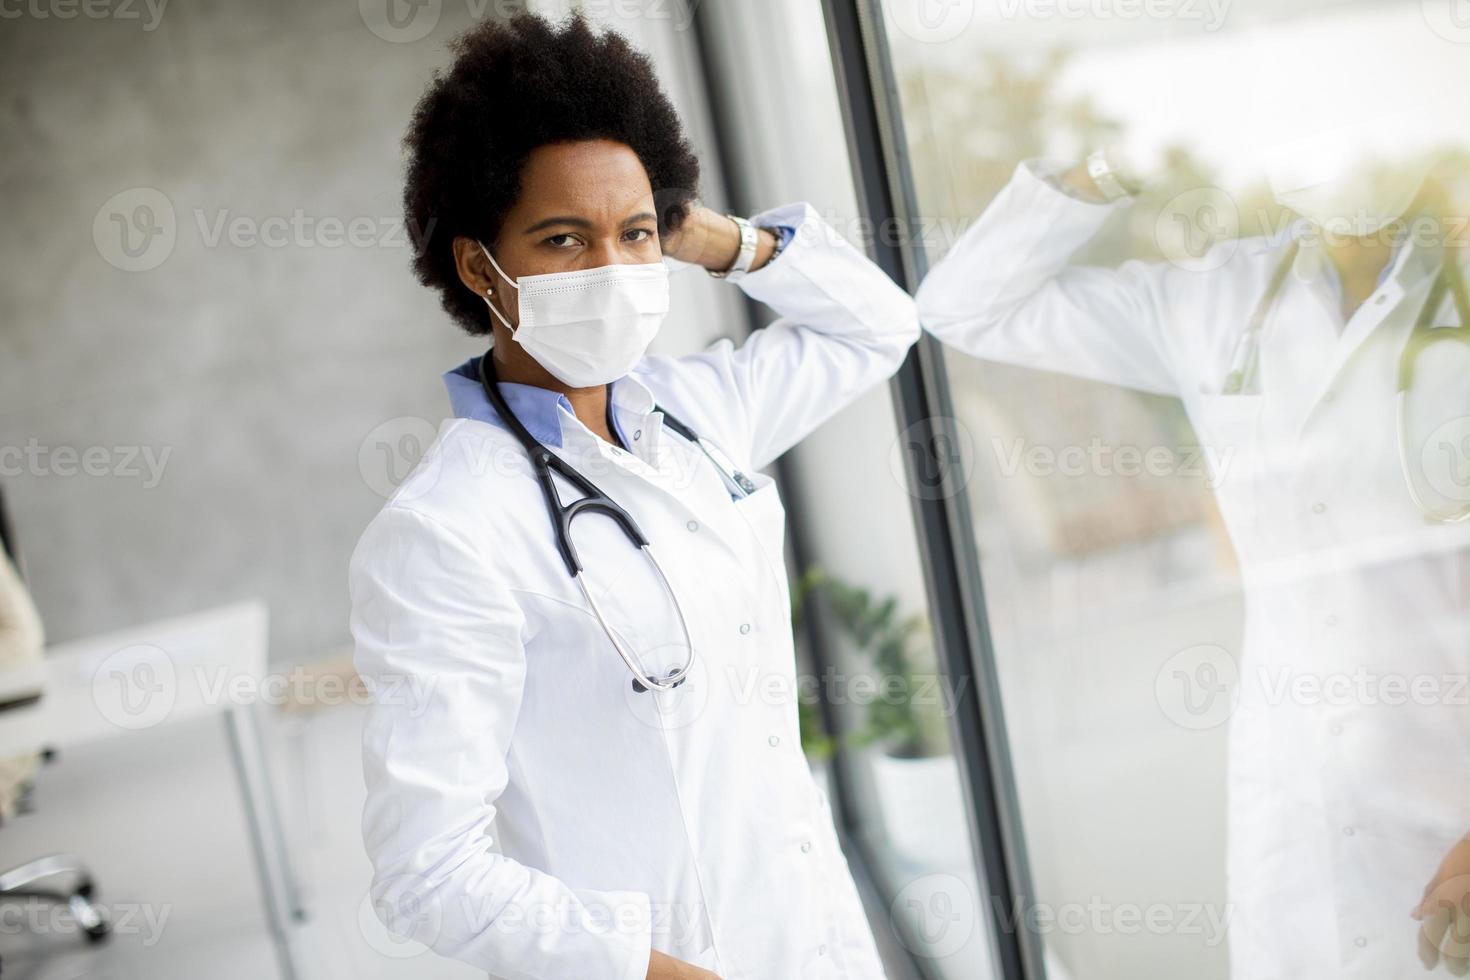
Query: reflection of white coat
x=686 y=821
x=1343 y=799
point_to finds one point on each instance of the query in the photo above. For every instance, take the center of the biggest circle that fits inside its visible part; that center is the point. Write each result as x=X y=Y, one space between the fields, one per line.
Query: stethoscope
x=544 y=462
x=1246 y=358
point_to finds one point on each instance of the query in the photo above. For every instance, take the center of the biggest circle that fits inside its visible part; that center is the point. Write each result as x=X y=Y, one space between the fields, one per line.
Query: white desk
x=143 y=677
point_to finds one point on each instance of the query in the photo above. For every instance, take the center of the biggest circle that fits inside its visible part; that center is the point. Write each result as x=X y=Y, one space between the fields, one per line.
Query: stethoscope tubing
x=543 y=462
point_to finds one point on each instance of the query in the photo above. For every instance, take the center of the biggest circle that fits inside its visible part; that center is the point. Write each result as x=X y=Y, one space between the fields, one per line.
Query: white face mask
x=1355 y=205
x=591 y=326
x=1320 y=178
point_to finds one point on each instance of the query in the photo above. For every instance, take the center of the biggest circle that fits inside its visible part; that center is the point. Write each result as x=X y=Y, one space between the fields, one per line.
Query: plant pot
x=923 y=809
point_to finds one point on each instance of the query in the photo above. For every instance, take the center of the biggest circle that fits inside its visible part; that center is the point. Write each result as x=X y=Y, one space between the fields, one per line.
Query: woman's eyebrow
x=561 y=220
x=576 y=222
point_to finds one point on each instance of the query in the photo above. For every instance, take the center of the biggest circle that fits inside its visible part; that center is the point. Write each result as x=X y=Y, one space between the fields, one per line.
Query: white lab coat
x=1341 y=805
x=686 y=821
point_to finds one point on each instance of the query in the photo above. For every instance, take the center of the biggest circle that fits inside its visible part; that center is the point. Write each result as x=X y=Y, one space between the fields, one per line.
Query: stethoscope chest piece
x=672 y=680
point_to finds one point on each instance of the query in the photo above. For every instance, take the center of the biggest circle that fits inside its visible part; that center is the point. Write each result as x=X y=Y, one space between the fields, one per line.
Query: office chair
x=57 y=879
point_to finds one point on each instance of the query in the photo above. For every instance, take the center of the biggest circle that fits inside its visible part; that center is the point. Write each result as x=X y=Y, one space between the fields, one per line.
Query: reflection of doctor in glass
x=1286 y=353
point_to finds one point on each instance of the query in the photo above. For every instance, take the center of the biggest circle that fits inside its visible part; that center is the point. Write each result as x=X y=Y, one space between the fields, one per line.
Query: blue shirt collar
x=539 y=409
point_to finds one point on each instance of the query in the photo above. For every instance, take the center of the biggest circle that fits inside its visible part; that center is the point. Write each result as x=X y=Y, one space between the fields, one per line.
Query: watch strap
x=745 y=258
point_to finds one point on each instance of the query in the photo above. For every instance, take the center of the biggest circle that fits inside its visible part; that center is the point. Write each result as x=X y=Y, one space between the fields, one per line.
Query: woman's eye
x=561 y=241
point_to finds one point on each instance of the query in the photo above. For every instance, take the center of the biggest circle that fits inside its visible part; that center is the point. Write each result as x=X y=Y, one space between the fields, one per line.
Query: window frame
x=954 y=585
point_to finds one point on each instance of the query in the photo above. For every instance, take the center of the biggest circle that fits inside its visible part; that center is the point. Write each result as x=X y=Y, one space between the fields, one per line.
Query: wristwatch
x=749 y=238
x=1107 y=178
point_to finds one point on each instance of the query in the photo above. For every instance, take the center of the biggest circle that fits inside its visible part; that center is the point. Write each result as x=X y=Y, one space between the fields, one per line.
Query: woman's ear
x=478 y=274
x=474 y=269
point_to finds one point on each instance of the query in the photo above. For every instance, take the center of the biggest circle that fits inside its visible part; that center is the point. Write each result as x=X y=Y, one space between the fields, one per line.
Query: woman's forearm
x=712 y=240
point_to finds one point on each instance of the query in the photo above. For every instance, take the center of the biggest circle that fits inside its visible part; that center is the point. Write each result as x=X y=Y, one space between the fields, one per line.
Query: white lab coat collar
x=1410 y=263
x=1412 y=266
x=632 y=395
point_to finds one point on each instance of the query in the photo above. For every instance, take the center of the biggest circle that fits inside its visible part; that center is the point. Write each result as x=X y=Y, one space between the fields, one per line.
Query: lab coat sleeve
x=438 y=641
x=843 y=327
x=1006 y=292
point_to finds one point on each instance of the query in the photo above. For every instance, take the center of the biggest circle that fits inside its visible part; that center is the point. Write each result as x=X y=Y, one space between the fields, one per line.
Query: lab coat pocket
x=766 y=516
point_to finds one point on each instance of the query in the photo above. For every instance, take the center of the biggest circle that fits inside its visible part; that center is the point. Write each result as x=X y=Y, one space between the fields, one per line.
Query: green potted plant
x=904 y=719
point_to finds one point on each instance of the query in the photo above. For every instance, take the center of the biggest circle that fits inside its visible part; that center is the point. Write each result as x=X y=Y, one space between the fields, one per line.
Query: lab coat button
x=806 y=846
x=1335 y=730
x=1319 y=508
x=1348 y=831
x=1360 y=942
x=774 y=740
x=822 y=950
x=692 y=525
x=637 y=434
x=744 y=628
x=1330 y=620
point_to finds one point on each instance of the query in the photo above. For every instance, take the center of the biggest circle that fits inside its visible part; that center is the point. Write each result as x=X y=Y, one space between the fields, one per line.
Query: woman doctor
x=602 y=776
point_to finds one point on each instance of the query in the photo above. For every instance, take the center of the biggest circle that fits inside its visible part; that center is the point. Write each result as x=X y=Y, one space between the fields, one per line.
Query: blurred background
x=215 y=365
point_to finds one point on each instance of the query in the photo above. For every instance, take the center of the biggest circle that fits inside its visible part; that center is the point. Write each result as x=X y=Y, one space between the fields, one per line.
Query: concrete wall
x=213 y=357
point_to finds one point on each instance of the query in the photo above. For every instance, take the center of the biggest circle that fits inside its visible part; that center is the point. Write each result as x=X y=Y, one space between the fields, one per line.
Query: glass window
x=1216 y=563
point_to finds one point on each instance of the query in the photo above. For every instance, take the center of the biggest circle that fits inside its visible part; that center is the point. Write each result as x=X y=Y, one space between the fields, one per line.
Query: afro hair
x=514 y=86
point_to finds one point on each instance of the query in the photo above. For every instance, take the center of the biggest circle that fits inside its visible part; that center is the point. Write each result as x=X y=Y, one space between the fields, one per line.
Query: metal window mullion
x=946 y=531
